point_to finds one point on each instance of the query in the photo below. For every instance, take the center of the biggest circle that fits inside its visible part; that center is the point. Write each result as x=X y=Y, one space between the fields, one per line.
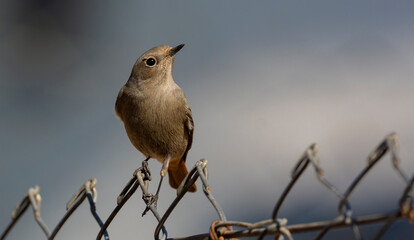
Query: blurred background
x=264 y=81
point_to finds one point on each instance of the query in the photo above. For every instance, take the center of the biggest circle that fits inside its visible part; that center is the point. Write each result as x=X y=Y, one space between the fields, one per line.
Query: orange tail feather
x=177 y=173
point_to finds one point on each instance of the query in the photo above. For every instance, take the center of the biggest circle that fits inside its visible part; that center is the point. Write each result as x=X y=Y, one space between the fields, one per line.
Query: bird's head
x=155 y=64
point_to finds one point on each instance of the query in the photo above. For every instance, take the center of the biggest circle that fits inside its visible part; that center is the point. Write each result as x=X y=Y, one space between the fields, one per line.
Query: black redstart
x=155 y=112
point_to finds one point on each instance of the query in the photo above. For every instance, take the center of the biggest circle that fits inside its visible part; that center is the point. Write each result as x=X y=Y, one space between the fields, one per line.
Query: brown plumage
x=155 y=112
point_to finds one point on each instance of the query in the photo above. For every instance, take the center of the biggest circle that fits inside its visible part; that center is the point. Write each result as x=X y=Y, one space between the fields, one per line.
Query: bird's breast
x=155 y=124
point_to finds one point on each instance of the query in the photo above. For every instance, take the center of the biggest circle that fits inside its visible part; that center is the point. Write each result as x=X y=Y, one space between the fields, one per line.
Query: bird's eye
x=150 y=62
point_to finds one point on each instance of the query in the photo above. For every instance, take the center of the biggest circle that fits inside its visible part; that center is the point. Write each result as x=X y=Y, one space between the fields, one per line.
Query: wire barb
x=89 y=191
x=198 y=170
x=140 y=178
x=33 y=199
x=89 y=188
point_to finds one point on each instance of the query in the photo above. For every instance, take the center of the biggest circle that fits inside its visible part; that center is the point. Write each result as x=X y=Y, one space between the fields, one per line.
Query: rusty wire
x=222 y=228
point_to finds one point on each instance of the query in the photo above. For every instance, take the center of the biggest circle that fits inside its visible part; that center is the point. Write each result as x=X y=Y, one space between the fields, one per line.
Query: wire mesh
x=222 y=228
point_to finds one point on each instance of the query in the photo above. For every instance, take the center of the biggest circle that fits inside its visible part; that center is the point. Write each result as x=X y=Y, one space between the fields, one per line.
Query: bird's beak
x=174 y=50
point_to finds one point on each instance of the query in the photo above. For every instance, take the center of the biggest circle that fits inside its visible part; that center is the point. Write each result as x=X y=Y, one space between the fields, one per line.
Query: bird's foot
x=150 y=200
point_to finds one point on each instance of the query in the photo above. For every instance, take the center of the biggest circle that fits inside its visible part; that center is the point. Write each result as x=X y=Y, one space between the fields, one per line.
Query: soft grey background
x=264 y=80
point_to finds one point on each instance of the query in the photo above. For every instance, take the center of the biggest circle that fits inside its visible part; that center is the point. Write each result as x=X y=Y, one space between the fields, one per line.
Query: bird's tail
x=177 y=173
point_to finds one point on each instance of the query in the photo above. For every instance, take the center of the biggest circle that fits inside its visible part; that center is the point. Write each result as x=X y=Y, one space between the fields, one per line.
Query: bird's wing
x=189 y=129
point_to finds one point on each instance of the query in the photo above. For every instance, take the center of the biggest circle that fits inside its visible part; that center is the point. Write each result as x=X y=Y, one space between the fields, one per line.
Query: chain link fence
x=225 y=229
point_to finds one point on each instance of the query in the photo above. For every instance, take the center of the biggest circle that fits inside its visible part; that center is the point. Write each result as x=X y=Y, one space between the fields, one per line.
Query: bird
x=156 y=115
